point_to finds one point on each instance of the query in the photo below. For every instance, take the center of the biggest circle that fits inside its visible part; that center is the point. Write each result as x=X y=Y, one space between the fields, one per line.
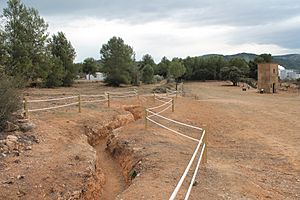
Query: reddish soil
x=253 y=150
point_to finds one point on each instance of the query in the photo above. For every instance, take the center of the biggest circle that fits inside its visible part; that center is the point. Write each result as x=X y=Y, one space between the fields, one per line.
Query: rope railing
x=167 y=103
x=84 y=98
x=48 y=100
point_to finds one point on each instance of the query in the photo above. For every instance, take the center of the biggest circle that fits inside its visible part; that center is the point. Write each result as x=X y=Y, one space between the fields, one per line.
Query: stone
x=75 y=195
x=25 y=127
x=12 y=138
x=22 y=121
x=10 y=127
x=8 y=182
x=20 y=177
x=28 y=148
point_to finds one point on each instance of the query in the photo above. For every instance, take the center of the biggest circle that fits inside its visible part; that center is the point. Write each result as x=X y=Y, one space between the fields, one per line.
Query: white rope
x=123 y=96
x=94 y=101
x=186 y=169
x=191 y=138
x=161 y=100
x=195 y=173
x=153 y=108
x=46 y=100
x=159 y=111
x=162 y=96
x=54 y=107
x=174 y=121
x=121 y=93
x=100 y=95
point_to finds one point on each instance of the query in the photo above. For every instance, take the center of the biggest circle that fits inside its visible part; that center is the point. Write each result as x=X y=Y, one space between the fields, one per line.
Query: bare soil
x=106 y=153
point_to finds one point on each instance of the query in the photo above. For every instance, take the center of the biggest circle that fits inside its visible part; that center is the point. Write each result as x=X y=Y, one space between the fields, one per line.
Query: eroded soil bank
x=115 y=163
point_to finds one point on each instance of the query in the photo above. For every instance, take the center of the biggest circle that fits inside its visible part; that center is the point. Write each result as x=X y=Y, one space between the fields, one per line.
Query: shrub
x=157 y=78
x=9 y=99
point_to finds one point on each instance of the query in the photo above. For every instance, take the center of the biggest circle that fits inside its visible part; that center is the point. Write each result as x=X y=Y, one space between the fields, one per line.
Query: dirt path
x=114 y=181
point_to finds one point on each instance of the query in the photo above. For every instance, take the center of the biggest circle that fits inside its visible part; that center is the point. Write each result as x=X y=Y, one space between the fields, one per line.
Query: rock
x=19 y=177
x=11 y=142
x=8 y=182
x=28 y=148
x=19 y=114
x=75 y=195
x=22 y=121
x=5 y=149
x=12 y=138
x=10 y=127
x=27 y=127
x=195 y=183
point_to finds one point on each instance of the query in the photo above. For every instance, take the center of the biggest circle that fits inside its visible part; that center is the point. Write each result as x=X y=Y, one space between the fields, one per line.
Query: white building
x=98 y=77
x=288 y=74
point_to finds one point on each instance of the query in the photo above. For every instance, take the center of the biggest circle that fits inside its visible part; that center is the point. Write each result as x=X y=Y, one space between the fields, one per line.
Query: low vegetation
x=9 y=99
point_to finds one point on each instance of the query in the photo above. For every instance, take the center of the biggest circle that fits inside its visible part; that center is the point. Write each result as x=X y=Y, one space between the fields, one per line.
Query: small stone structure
x=267 y=77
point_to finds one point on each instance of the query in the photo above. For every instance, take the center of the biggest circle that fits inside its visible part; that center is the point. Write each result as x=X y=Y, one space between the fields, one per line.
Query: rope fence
x=76 y=100
x=201 y=148
x=152 y=114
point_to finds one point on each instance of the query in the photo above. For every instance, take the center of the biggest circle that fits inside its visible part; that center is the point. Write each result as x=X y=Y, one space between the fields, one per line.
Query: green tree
x=163 y=67
x=264 y=58
x=55 y=74
x=147 y=74
x=90 y=66
x=241 y=64
x=25 y=39
x=177 y=70
x=147 y=60
x=232 y=73
x=252 y=69
x=118 y=61
x=63 y=54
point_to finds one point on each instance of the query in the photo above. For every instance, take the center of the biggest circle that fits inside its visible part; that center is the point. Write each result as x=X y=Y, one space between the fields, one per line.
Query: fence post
x=26 y=113
x=176 y=93
x=108 y=100
x=146 y=120
x=137 y=94
x=206 y=145
x=173 y=104
x=154 y=96
x=79 y=103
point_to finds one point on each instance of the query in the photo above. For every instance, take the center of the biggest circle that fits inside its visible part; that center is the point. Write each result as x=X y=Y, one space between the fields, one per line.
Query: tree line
x=120 y=67
x=30 y=55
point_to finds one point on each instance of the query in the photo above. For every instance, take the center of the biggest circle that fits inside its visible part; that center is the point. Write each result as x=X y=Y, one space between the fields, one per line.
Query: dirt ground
x=253 y=148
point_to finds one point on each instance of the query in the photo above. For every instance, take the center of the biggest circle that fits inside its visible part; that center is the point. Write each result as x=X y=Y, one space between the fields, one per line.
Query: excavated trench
x=115 y=163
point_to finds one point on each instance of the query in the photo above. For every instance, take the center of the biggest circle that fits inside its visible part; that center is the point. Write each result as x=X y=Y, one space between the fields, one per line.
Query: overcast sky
x=176 y=28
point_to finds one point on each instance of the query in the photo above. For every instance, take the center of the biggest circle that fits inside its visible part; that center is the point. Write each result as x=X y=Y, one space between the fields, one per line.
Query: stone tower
x=267 y=77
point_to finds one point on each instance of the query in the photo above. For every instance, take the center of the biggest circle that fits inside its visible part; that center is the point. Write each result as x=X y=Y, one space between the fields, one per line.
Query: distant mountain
x=289 y=61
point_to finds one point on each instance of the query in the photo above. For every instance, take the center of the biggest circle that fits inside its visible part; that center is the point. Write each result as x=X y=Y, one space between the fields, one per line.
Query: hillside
x=289 y=61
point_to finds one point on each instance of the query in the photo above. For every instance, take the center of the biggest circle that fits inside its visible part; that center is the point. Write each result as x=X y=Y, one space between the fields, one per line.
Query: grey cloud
x=234 y=12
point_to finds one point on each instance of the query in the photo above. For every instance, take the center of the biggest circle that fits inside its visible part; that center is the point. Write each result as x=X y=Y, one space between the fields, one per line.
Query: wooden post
x=79 y=103
x=206 y=146
x=137 y=94
x=154 y=96
x=146 y=120
x=176 y=93
x=173 y=104
x=26 y=113
x=108 y=100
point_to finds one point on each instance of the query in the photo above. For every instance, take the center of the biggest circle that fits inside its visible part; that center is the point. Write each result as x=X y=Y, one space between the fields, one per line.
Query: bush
x=9 y=99
x=157 y=78
x=249 y=81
